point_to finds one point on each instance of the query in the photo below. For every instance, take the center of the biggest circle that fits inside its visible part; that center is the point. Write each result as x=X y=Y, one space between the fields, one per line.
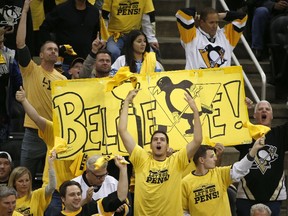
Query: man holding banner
x=158 y=178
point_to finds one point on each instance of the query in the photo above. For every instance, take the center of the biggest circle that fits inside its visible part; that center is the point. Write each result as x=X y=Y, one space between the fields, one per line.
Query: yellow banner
x=86 y=115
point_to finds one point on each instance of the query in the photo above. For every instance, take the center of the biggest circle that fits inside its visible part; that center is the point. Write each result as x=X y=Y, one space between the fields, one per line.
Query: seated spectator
x=98 y=62
x=209 y=46
x=123 y=17
x=97 y=65
x=137 y=50
x=71 y=195
x=75 y=68
x=6 y=166
x=32 y=202
x=262 y=12
x=102 y=184
x=260 y=210
x=8 y=197
x=204 y=190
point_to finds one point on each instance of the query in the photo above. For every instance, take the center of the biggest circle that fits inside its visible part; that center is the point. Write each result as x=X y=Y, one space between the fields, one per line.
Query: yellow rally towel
x=116 y=35
x=122 y=75
x=79 y=164
x=2 y=59
x=69 y=50
x=207 y=141
x=256 y=131
x=99 y=163
x=149 y=63
x=59 y=146
x=103 y=30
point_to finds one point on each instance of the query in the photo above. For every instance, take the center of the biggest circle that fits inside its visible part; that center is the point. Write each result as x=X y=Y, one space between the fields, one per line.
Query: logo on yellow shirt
x=158 y=176
x=128 y=8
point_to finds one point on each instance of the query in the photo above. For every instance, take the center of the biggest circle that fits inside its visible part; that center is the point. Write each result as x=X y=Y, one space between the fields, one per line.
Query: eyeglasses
x=99 y=177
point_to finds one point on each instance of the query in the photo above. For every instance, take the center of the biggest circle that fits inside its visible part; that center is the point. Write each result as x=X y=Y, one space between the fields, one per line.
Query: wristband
x=249 y=157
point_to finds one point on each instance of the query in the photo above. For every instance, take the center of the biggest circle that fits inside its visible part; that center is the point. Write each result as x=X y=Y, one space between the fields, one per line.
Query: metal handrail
x=255 y=61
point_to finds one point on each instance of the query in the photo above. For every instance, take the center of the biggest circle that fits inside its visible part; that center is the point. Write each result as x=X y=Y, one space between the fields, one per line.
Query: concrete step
x=166 y=26
x=169 y=7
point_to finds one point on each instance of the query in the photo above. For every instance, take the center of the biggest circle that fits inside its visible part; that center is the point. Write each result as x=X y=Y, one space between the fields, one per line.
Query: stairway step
x=166 y=26
x=171 y=6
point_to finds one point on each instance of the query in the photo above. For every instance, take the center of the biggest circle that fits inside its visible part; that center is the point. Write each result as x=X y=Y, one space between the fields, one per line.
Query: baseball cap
x=76 y=60
x=4 y=154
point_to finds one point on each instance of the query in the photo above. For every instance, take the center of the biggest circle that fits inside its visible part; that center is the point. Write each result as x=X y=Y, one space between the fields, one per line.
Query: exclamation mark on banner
x=233 y=94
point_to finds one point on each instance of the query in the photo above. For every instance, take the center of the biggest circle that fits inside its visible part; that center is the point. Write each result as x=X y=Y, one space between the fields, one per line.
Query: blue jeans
x=260 y=21
x=33 y=149
x=55 y=206
x=115 y=47
x=243 y=206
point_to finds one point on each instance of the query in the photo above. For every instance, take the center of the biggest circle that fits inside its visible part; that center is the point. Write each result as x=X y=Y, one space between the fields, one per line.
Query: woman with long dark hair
x=137 y=56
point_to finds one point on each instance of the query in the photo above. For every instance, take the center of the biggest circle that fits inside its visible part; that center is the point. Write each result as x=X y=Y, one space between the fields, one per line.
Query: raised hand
x=119 y=161
x=131 y=95
x=258 y=144
x=98 y=44
x=20 y=95
x=191 y=102
x=26 y=6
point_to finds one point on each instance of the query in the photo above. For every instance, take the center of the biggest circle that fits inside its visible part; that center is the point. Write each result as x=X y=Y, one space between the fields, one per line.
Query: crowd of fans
x=94 y=39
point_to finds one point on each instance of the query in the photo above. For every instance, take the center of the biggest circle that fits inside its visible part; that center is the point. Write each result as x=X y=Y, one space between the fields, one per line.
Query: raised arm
x=30 y=110
x=122 y=188
x=89 y=62
x=242 y=167
x=126 y=137
x=21 y=32
x=193 y=146
x=149 y=29
x=49 y=189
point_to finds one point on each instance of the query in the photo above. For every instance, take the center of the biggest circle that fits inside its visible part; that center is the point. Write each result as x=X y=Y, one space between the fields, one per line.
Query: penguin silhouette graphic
x=213 y=56
x=165 y=85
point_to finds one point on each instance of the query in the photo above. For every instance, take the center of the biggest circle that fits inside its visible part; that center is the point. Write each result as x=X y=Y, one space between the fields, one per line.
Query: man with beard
x=98 y=62
x=37 y=81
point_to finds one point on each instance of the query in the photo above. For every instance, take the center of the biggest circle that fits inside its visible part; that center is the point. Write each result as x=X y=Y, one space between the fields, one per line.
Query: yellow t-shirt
x=158 y=183
x=37 y=85
x=207 y=195
x=126 y=15
x=15 y=213
x=36 y=205
x=61 y=167
x=62 y=1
